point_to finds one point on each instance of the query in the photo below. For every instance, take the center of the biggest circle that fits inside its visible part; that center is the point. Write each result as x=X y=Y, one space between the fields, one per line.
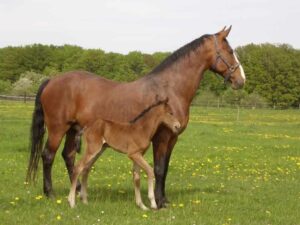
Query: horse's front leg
x=163 y=144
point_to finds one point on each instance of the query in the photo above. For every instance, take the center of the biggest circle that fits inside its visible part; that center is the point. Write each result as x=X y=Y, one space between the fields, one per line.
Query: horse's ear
x=224 y=33
x=221 y=31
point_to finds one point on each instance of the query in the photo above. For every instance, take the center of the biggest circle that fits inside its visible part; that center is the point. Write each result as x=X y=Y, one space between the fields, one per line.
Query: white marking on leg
x=151 y=192
x=240 y=67
x=83 y=191
x=137 y=191
x=71 y=197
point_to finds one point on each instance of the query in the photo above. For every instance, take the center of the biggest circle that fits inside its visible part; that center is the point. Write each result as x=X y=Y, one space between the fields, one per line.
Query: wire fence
x=211 y=103
x=23 y=98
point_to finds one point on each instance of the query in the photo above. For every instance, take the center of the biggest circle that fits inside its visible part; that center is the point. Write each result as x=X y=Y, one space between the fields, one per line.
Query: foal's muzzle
x=176 y=127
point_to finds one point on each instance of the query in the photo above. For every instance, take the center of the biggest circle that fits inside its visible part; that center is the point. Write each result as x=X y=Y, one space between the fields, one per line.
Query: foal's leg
x=139 y=160
x=85 y=174
x=91 y=151
x=137 y=189
x=69 y=152
x=48 y=155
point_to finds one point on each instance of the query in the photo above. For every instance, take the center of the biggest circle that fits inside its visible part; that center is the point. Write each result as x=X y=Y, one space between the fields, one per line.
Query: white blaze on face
x=240 y=67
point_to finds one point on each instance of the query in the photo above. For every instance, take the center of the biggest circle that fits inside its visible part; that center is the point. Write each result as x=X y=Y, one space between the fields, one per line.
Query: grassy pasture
x=222 y=171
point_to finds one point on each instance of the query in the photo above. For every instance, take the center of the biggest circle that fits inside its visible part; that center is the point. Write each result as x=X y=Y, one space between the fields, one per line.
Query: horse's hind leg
x=137 y=188
x=48 y=155
x=69 y=152
x=139 y=160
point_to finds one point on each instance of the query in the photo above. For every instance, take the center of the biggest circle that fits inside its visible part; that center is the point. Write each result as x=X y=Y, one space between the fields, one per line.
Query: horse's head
x=224 y=60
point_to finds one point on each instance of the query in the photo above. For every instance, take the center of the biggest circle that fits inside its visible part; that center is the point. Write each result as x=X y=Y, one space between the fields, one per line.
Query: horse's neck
x=183 y=77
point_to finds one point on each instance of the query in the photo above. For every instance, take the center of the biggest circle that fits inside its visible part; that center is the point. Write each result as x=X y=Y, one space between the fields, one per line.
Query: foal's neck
x=150 y=122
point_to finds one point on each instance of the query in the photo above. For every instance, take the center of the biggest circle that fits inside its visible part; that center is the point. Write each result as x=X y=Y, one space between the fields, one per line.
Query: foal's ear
x=165 y=101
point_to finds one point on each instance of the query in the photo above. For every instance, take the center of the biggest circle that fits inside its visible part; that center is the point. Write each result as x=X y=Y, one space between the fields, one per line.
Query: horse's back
x=81 y=97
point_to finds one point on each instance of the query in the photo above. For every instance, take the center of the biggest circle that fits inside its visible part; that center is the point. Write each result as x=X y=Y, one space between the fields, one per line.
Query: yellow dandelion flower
x=181 y=205
x=39 y=197
x=58 y=201
x=17 y=198
x=145 y=216
x=58 y=217
x=196 y=202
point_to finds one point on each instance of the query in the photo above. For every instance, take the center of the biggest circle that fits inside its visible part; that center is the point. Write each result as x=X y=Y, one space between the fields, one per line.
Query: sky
x=146 y=25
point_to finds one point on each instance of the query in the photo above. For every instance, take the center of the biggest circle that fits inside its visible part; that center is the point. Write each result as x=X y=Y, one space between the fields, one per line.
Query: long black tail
x=37 y=135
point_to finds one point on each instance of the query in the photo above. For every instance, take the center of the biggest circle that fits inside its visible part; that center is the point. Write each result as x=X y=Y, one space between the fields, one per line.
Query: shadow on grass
x=103 y=194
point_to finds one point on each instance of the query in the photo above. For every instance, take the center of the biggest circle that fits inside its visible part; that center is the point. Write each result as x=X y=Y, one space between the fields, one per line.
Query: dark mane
x=146 y=110
x=179 y=53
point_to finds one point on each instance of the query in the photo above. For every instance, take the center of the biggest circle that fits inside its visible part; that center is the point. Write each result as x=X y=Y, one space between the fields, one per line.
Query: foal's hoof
x=154 y=208
x=71 y=202
x=84 y=201
x=143 y=207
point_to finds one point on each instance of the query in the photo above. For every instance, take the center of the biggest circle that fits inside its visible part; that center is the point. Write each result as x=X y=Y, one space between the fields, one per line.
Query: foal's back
x=130 y=136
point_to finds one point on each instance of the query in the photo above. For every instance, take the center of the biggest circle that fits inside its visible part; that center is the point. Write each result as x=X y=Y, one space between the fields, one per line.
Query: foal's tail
x=37 y=135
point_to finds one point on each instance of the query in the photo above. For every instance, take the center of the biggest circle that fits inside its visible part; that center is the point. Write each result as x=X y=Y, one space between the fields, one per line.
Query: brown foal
x=131 y=138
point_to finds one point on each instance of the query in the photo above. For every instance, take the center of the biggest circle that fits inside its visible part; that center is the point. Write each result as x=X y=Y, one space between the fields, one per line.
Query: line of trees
x=273 y=71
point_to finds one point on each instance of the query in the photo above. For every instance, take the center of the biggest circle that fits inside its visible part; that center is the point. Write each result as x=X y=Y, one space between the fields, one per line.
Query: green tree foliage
x=273 y=71
x=28 y=83
x=5 y=86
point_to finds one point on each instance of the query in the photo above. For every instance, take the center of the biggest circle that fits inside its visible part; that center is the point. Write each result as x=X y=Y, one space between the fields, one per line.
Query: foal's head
x=224 y=61
x=158 y=113
x=167 y=117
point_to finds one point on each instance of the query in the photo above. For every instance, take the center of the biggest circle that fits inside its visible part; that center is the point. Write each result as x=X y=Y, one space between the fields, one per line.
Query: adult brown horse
x=65 y=104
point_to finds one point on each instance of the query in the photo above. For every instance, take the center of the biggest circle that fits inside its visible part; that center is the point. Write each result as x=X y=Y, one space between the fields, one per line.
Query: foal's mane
x=179 y=53
x=147 y=110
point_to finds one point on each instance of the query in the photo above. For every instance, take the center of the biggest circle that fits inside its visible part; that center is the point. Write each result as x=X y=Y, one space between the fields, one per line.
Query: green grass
x=222 y=171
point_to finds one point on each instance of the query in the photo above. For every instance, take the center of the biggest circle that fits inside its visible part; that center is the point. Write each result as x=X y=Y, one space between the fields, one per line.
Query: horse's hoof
x=160 y=203
x=166 y=201
x=49 y=195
